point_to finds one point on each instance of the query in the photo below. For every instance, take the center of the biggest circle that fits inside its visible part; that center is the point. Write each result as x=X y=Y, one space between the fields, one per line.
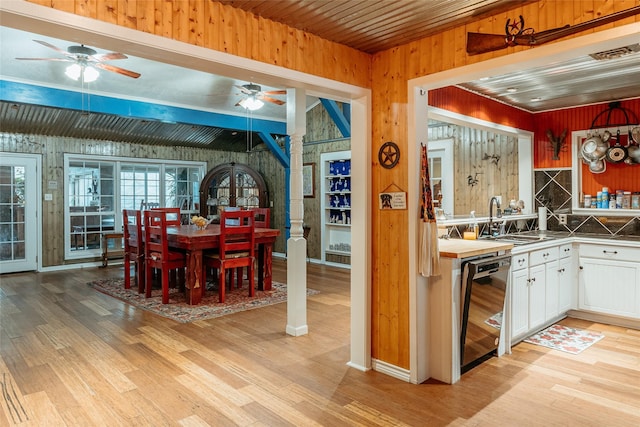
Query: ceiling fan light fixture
x=89 y=74
x=251 y=103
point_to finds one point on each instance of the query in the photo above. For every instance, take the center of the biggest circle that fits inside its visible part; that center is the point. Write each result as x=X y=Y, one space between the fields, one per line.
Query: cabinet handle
x=610 y=252
x=561 y=270
x=546 y=255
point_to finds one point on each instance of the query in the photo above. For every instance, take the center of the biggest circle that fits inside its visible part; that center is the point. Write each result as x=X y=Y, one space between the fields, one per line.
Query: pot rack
x=615 y=105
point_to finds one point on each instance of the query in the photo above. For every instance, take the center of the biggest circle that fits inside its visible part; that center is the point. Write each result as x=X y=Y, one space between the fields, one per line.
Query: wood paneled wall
x=52 y=150
x=390 y=73
x=225 y=29
x=617 y=176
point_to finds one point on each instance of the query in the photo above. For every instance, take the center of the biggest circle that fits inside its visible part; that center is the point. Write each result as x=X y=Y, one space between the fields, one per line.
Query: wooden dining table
x=193 y=241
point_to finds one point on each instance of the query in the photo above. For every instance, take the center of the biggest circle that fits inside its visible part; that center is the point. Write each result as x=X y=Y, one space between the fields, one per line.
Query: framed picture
x=308 y=180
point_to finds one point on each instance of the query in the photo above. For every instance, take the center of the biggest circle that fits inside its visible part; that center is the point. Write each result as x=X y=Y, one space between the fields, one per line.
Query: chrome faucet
x=498 y=213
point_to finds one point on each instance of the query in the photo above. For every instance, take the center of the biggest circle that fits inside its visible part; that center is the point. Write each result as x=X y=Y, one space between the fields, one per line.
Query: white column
x=296 y=245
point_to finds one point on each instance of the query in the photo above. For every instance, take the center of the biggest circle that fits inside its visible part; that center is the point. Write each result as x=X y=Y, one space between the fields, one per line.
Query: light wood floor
x=72 y=356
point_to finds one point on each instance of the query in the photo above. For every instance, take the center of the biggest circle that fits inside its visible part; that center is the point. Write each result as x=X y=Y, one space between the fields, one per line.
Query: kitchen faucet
x=498 y=213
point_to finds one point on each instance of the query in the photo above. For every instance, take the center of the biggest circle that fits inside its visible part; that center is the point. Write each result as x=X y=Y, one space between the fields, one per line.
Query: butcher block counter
x=460 y=248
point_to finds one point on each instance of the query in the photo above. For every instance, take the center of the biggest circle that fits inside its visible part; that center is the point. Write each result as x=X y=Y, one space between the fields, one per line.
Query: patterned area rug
x=495 y=320
x=235 y=300
x=565 y=339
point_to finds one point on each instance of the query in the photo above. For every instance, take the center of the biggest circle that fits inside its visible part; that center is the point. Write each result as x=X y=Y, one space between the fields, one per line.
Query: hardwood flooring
x=70 y=356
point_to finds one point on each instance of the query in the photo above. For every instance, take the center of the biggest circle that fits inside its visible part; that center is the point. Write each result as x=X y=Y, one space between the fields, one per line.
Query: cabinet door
x=566 y=286
x=552 y=290
x=537 y=300
x=608 y=286
x=519 y=302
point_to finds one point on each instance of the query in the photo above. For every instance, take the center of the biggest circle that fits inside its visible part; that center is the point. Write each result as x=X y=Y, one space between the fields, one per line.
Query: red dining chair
x=262 y=217
x=133 y=248
x=174 y=215
x=157 y=253
x=236 y=249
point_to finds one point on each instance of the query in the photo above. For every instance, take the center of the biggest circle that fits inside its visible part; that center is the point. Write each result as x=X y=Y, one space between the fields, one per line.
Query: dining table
x=194 y=241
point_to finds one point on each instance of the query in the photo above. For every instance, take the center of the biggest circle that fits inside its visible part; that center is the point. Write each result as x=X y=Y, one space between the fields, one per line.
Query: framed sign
x=395 y=200
x=308 y=180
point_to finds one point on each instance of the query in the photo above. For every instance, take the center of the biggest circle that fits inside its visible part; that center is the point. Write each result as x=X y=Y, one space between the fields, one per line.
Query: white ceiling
x=159 y=82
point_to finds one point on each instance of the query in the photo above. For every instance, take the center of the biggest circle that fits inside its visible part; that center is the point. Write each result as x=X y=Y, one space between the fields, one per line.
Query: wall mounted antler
x=557 y=143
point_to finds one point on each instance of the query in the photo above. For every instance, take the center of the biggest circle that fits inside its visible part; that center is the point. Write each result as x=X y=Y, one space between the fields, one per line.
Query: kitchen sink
x=518 y=239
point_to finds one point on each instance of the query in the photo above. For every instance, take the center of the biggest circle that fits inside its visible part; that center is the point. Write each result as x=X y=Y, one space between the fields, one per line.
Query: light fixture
x=89 y=74
x=512 y=90
x=251 y=103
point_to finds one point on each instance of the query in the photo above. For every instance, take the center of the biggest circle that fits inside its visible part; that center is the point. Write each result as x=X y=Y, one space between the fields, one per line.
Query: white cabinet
x=567 y=285
x=536 y=288
x=335 y=205
x=609 y=280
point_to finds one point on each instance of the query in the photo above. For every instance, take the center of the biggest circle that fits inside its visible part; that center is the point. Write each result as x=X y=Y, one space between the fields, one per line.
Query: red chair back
x=132 y=229
x=173 y=217
x=262 y=217
x=237 y=234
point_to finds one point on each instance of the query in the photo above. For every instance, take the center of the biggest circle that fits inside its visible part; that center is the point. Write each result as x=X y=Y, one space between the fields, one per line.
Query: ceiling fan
x=255 y=95
x=85 y=57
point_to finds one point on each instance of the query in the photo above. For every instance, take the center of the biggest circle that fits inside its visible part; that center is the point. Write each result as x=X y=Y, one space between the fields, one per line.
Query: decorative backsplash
x=553 y=190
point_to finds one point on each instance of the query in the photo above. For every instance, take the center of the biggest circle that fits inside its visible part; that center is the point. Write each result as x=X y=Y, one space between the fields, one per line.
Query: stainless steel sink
x=518 y=239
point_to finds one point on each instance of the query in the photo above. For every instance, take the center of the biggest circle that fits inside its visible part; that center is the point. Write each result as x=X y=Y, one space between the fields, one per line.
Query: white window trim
x=118 y=161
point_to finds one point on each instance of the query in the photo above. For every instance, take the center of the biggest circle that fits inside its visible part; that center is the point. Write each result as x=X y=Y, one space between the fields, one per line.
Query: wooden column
x=296 y=244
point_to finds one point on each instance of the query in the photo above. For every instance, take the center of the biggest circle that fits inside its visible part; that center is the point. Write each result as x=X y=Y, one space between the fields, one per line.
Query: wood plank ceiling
x=372 y=26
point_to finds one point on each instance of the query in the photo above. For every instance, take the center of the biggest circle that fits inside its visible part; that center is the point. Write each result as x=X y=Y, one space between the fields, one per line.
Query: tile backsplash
x=553 y=190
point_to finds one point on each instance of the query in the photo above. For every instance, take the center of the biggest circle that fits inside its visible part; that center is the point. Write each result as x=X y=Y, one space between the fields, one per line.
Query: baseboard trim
x=391 y=370
x=624 y=322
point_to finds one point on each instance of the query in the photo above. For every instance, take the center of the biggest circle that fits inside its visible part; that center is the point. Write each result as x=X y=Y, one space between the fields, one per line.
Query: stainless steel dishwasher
x=483 y=293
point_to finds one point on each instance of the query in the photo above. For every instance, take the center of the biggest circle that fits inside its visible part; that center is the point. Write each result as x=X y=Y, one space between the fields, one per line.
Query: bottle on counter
x=605 y=198
x=612 y=201
x=635 y=200
x=626 y=200
x=587 y=201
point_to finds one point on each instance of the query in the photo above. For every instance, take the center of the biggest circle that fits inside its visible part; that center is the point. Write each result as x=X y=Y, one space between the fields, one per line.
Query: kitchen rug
x=563 y=338
x=495 y=320
x=236 y=300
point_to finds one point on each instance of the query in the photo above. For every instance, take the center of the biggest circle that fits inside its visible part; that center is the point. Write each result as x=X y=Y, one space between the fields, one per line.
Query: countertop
x=460 y=248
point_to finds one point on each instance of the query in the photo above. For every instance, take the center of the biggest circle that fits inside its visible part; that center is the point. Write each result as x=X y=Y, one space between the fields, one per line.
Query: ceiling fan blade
x=269 y=99
x=275 y=92
x=47 y=59
x=100 y=57
x=57 y=49
x=118 y=70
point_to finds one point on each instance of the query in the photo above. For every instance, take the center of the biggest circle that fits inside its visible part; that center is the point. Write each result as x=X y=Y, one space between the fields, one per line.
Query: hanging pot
x=617 y=153
x=597 y=166
x=633 y=150
x=593 y=149
x=635 y=134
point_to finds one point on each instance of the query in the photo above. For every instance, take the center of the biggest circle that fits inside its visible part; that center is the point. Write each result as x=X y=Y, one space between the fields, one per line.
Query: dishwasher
x=483 y=294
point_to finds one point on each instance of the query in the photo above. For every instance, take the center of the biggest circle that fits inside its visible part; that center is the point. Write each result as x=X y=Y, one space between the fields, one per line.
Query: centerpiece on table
x=200 y=222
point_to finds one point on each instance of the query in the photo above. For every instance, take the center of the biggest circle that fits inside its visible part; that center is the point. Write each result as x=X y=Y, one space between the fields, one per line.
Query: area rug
x=236 y=300
x=565 y=339
x=495 y=320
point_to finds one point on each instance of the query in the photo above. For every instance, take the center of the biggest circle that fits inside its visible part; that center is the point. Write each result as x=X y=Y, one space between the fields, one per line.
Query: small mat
x=236 y=300
x=563 y=338
x=495 y=320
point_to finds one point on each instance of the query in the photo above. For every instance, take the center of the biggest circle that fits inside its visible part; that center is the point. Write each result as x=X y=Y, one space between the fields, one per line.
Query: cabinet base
x=624 y=322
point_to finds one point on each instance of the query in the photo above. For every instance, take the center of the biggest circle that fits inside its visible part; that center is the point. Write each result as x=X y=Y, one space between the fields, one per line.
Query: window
x=98 y=188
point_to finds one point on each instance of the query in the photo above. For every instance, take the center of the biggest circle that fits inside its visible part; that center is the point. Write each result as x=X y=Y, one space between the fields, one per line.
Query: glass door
x=18 y=213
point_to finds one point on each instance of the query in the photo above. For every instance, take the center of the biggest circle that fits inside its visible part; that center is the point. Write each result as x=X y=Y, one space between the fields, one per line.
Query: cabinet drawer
x=543 y=255
x=518 y=262
x=620 y=253
x=566 y=250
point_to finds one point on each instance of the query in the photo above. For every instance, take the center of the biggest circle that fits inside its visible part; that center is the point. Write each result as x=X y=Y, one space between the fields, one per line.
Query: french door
x=18 y=212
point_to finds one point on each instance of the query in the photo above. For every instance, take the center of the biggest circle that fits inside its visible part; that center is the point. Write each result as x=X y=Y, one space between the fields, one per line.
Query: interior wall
x=225 y=29
x=392 y=69
x=52 y=150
